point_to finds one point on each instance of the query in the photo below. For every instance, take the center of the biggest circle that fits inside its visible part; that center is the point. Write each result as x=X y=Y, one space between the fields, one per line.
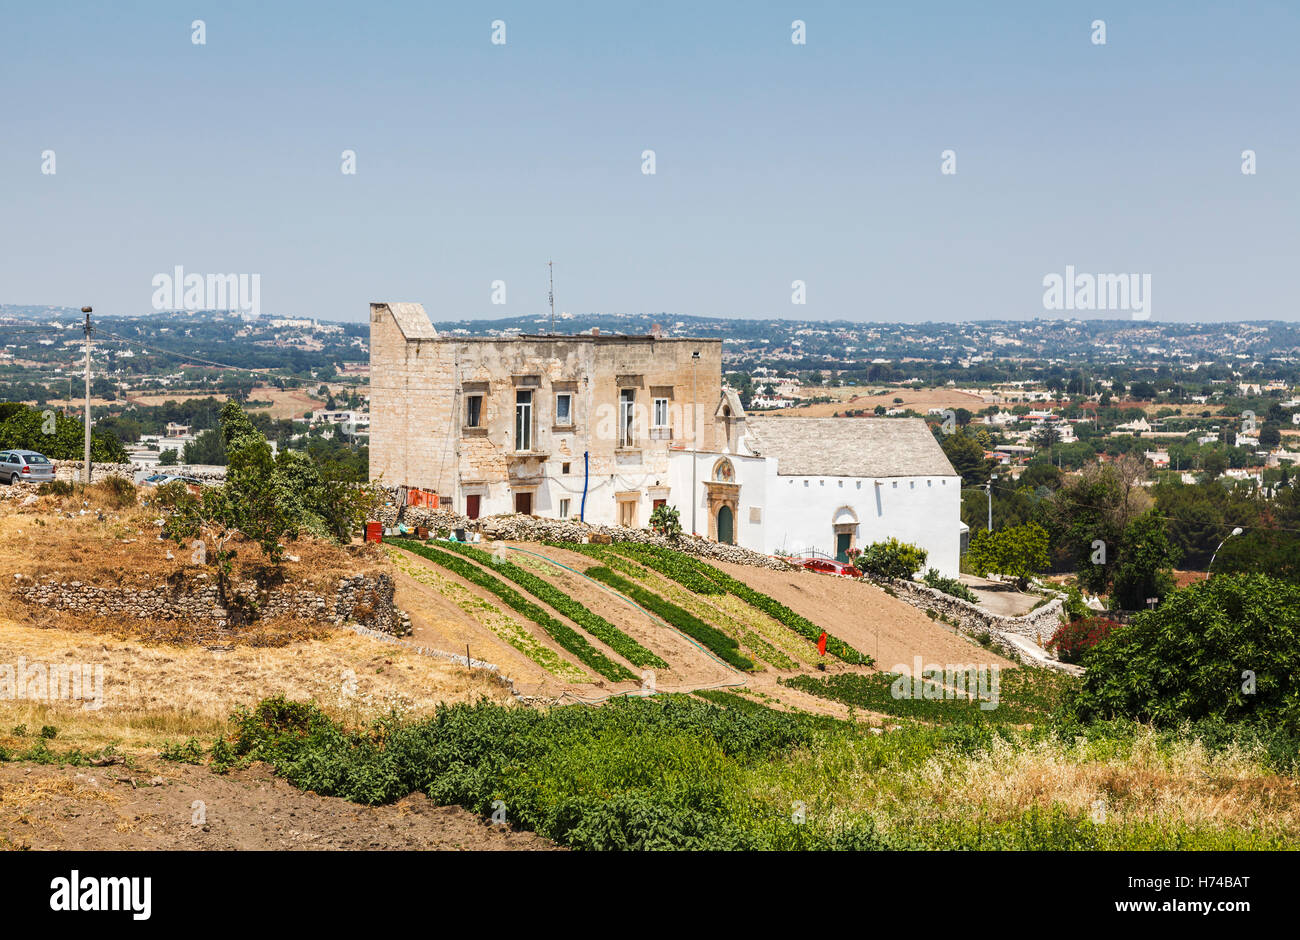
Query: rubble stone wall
x=362 y=599
x=521 y=528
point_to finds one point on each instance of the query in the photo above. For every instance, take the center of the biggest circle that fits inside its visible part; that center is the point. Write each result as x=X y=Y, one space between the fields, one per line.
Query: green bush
x=892 y=560
x=118 y=491
x=55 y=488
x=174 y=495
x=1018 y=552
x=1225 y=649
x=950 y=586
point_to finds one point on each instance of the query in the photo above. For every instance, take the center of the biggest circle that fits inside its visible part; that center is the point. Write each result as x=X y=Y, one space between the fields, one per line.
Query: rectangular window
x=523 y=420
x=564 y=509
x=626 y=417
x=564 y=408
x=474 y=411
x=564 y=469
x=661 y=413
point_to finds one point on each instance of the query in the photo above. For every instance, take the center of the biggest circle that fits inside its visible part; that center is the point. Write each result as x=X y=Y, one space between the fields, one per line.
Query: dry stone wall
x=521 y=528
x=361 y=599
x=1038 y=625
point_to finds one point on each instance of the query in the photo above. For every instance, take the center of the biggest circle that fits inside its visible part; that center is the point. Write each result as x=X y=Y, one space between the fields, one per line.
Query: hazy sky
x=774 y=162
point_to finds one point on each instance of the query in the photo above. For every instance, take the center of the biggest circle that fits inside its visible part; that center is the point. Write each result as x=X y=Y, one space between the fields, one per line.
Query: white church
x=822 y=486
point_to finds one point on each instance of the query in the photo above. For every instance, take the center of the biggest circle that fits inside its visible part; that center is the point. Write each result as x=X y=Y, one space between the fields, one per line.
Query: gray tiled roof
x=848 y=447
x=412 y=320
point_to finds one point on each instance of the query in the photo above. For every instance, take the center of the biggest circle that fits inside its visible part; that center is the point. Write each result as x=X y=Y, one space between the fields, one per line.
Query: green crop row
x=722 y=645
x=548 y=593
x=1022 y=696
x=703 y=578
x=604 y=554
x=562 y=633
x=675 y=565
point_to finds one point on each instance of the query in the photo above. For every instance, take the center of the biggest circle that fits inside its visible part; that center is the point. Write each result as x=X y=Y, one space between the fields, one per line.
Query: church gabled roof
x=848 y=447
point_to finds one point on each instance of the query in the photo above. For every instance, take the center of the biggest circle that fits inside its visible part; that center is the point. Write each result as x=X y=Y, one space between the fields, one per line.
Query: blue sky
x=774 y=162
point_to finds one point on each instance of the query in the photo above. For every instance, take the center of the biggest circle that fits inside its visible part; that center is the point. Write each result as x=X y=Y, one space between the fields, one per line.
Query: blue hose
x=586 y=473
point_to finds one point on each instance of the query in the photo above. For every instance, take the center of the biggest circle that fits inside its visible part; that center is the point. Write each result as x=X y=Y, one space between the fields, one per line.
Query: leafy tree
x=1227 y=648
x=1087 y=516
x=1214 y=463
x=892 y=559
x=1145 y=563
x=55 y=435
x=168 y=458
x=208 y=448
x=966 y=456
x=247 y=507
x=1041 y=473
x=1018 y=552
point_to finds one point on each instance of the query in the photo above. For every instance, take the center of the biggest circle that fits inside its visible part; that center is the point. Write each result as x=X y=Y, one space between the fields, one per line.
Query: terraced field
x=624 y=619
x=508 y=628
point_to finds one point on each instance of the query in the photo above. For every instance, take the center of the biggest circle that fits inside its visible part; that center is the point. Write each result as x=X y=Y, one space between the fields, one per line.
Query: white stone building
x=824 y=486
x=606 y=428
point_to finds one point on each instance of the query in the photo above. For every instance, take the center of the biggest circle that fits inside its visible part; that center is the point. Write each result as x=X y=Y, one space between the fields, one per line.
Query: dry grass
x=867 y=397
x=81 y=538
x=156 y=694
x=1180 y=783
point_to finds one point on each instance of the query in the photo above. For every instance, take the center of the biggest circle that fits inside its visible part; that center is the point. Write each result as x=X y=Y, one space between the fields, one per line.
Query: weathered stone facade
x=362 y=599
x=531 y=424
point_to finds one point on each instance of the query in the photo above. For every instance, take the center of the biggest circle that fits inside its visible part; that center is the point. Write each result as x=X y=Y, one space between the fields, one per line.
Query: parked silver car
x=26 y=466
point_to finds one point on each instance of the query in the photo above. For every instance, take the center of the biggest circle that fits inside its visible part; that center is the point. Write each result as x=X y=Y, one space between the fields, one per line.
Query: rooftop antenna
x=550 y=294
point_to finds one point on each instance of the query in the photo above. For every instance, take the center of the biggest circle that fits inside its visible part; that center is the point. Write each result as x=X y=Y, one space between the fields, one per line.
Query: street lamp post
x=988 y=489
x=1210 y=568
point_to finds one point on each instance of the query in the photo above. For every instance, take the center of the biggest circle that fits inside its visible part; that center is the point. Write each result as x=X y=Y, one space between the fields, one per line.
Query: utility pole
x=85 y=466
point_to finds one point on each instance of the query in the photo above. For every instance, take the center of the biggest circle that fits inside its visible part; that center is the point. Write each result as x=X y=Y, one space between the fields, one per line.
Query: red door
x=471 y=506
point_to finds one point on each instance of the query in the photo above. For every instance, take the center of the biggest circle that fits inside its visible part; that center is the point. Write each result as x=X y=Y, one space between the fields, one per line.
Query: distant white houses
x=1138 y=426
